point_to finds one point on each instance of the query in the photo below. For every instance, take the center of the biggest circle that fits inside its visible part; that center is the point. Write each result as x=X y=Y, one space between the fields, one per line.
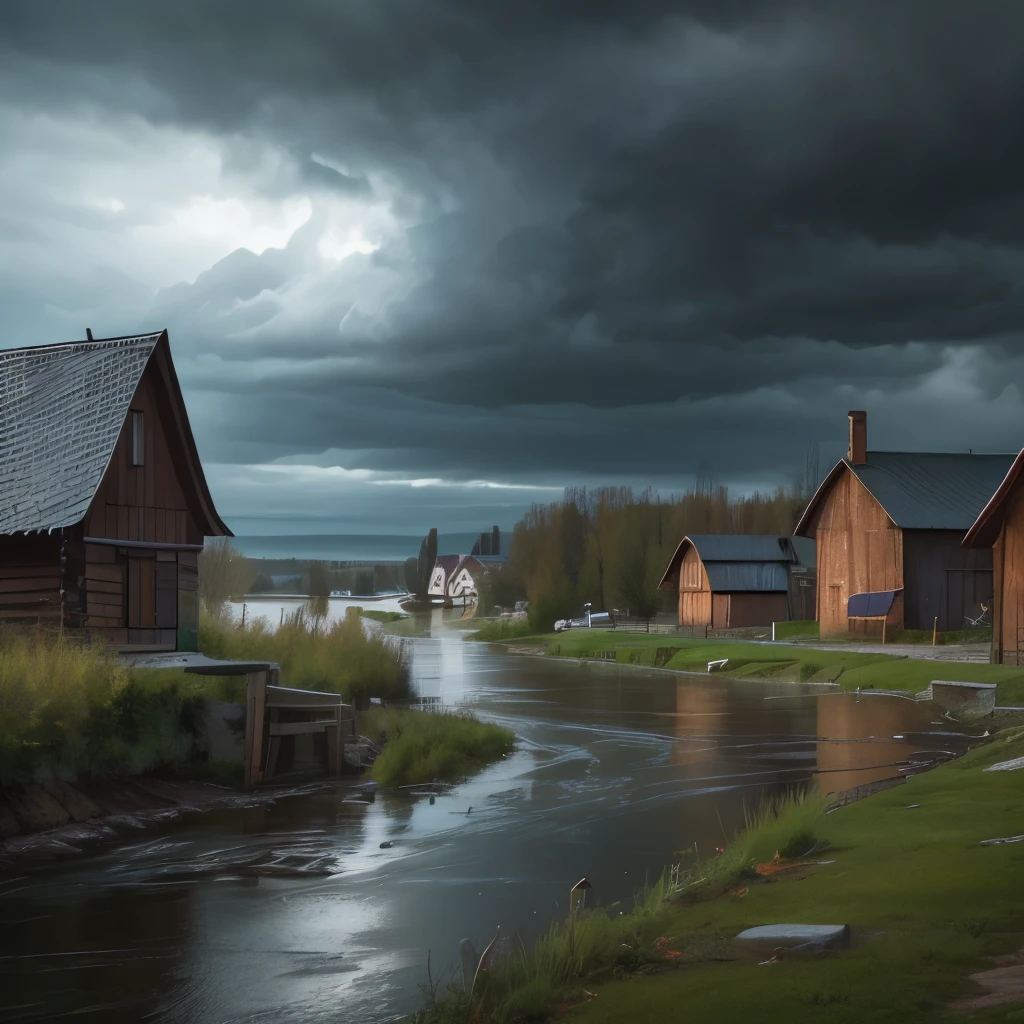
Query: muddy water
x=293 y=912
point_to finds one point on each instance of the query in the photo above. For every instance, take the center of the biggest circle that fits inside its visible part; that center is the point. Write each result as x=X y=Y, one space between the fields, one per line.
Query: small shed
x=730 y=581
x=999 y=531
x=105 y=506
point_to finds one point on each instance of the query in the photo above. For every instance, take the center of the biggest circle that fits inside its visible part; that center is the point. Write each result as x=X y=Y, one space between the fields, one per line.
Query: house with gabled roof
x=735 y=581
x=103 y=503
x=890 y=527
x=999 y=529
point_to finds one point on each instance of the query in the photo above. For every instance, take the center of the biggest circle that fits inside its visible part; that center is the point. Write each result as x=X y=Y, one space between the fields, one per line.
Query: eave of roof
x=985 y=530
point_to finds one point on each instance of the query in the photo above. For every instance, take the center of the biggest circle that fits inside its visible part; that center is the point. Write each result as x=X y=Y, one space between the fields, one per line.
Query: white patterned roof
x=61 y=411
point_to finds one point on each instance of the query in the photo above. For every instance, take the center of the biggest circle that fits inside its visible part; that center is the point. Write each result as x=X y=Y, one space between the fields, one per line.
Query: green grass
x=378 y=616
x=68 y=710
x=784 y=662
x=420 y=746
x=339 y=658
x=791 y=630
x=926 y=902
x=496 y=630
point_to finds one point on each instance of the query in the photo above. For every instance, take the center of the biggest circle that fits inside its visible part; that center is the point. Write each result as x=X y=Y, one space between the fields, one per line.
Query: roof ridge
x=967 y=454
x=84 y=342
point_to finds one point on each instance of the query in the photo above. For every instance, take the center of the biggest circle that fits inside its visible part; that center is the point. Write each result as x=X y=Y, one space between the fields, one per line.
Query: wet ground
x=294 y=912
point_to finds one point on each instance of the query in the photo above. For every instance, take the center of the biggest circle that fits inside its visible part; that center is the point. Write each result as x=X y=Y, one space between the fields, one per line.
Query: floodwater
x=276 y=609
x=293 y=912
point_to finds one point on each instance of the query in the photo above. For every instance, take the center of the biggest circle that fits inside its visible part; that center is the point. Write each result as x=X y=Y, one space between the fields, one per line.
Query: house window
x=138 y=439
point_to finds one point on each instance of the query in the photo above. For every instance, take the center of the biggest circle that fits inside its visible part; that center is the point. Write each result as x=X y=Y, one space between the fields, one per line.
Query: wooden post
x=255 y=718
x=935 y=630
x=884 y=621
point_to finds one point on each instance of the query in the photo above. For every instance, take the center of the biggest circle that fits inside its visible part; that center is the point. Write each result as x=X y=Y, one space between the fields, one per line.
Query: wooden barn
x=731 y=581
x=890 y=527
x=1000 y=529
x=105 y=505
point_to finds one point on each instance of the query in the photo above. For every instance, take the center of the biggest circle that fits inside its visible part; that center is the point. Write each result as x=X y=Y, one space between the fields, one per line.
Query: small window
x=138 y=439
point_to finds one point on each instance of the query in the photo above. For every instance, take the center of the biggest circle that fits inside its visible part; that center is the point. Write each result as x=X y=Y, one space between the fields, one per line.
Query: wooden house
x=455 y=577
x=891 y=525
x=731 y=581
x=999 y=528
x=103 y=502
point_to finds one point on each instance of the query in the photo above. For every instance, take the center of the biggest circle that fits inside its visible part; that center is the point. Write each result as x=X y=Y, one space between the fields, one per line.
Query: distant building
x=444 y=567
x=105 y=505
x=731 y=581
x=999 y=529
x=891 y=525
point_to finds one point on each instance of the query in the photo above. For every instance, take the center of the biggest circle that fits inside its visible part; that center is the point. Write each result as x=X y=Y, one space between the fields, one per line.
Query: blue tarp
x=877 y=604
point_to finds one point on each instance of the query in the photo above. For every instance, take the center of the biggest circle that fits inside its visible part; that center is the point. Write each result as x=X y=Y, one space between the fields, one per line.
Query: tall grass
x=68 y=709
x=340 y=657
x=420 y=746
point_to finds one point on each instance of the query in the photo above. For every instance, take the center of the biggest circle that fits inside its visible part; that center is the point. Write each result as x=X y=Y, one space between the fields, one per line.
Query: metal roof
x=61 y=411
x=932 y=490
x=747 y=576
x=740 y=547
x=805 y=551
x=870 y=605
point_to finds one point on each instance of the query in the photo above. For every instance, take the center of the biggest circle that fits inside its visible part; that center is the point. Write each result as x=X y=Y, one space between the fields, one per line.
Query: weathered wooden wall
x=753 y=609
x=694 y=591
x=943 y=579
x=859 y=550
x=1008 y=604
x=30 y=578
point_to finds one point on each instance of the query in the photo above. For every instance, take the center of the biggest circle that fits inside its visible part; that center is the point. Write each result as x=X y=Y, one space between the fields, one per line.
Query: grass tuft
x=420 y=746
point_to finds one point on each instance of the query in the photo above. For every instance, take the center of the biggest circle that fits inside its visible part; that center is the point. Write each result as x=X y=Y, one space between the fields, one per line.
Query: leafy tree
x=318 y=582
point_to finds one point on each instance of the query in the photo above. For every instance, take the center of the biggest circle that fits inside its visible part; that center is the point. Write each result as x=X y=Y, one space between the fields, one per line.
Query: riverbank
x=773 y=661
x=930 y=902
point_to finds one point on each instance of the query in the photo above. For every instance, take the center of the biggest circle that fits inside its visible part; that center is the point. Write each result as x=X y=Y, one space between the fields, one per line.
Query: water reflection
x=293 y=912
x=870 y=738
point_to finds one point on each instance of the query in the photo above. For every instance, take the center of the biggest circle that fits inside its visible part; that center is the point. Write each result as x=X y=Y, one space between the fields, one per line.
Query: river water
x=293 y=912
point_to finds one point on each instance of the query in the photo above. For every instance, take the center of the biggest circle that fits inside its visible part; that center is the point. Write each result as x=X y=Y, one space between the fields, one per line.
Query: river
x=294 y=913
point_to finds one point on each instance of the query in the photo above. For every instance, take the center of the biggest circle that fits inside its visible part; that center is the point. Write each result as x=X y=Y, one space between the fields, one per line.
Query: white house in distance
x=455 y=578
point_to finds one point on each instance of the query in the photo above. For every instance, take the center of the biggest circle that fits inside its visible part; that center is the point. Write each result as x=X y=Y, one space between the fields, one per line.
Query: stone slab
x=792 y=936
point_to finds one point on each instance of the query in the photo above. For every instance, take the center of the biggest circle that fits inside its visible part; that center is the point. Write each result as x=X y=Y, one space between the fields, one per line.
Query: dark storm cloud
x=683 y=231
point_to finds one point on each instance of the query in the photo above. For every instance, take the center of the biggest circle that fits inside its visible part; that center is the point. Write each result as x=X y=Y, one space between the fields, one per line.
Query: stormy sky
x=423 y=263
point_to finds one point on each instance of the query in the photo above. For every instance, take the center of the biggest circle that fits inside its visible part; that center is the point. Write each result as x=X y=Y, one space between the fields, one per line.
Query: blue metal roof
x=740 y=547
x=933 y=490
x=747 y=576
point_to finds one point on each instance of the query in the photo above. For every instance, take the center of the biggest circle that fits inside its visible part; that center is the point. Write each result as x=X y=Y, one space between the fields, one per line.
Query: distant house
x=105 y=505
x=444 y=567
x=730 y=581
x=455 y=576
x=890 y=527
x=1000 y=529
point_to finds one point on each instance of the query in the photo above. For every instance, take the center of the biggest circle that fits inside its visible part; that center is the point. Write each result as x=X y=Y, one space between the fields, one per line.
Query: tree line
x=610 y=545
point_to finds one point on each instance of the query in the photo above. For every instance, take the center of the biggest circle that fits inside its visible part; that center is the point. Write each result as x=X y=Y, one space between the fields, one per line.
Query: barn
x=890 y=527
x=1000 y=529
x=731 y=581
x=105 y=505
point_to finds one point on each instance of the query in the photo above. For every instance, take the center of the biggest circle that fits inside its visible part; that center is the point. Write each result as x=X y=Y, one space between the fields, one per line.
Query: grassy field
x=926 y=902
x=784 y=662
x=420 y=746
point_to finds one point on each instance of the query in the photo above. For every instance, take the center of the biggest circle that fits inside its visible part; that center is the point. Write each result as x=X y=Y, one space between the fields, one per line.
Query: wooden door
x=142 y=599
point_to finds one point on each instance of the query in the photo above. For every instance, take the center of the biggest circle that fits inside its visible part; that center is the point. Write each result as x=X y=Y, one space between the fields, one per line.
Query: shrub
x=809 y=669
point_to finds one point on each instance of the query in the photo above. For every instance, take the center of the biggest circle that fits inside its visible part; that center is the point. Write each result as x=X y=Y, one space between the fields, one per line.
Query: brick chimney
x=858 y=453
